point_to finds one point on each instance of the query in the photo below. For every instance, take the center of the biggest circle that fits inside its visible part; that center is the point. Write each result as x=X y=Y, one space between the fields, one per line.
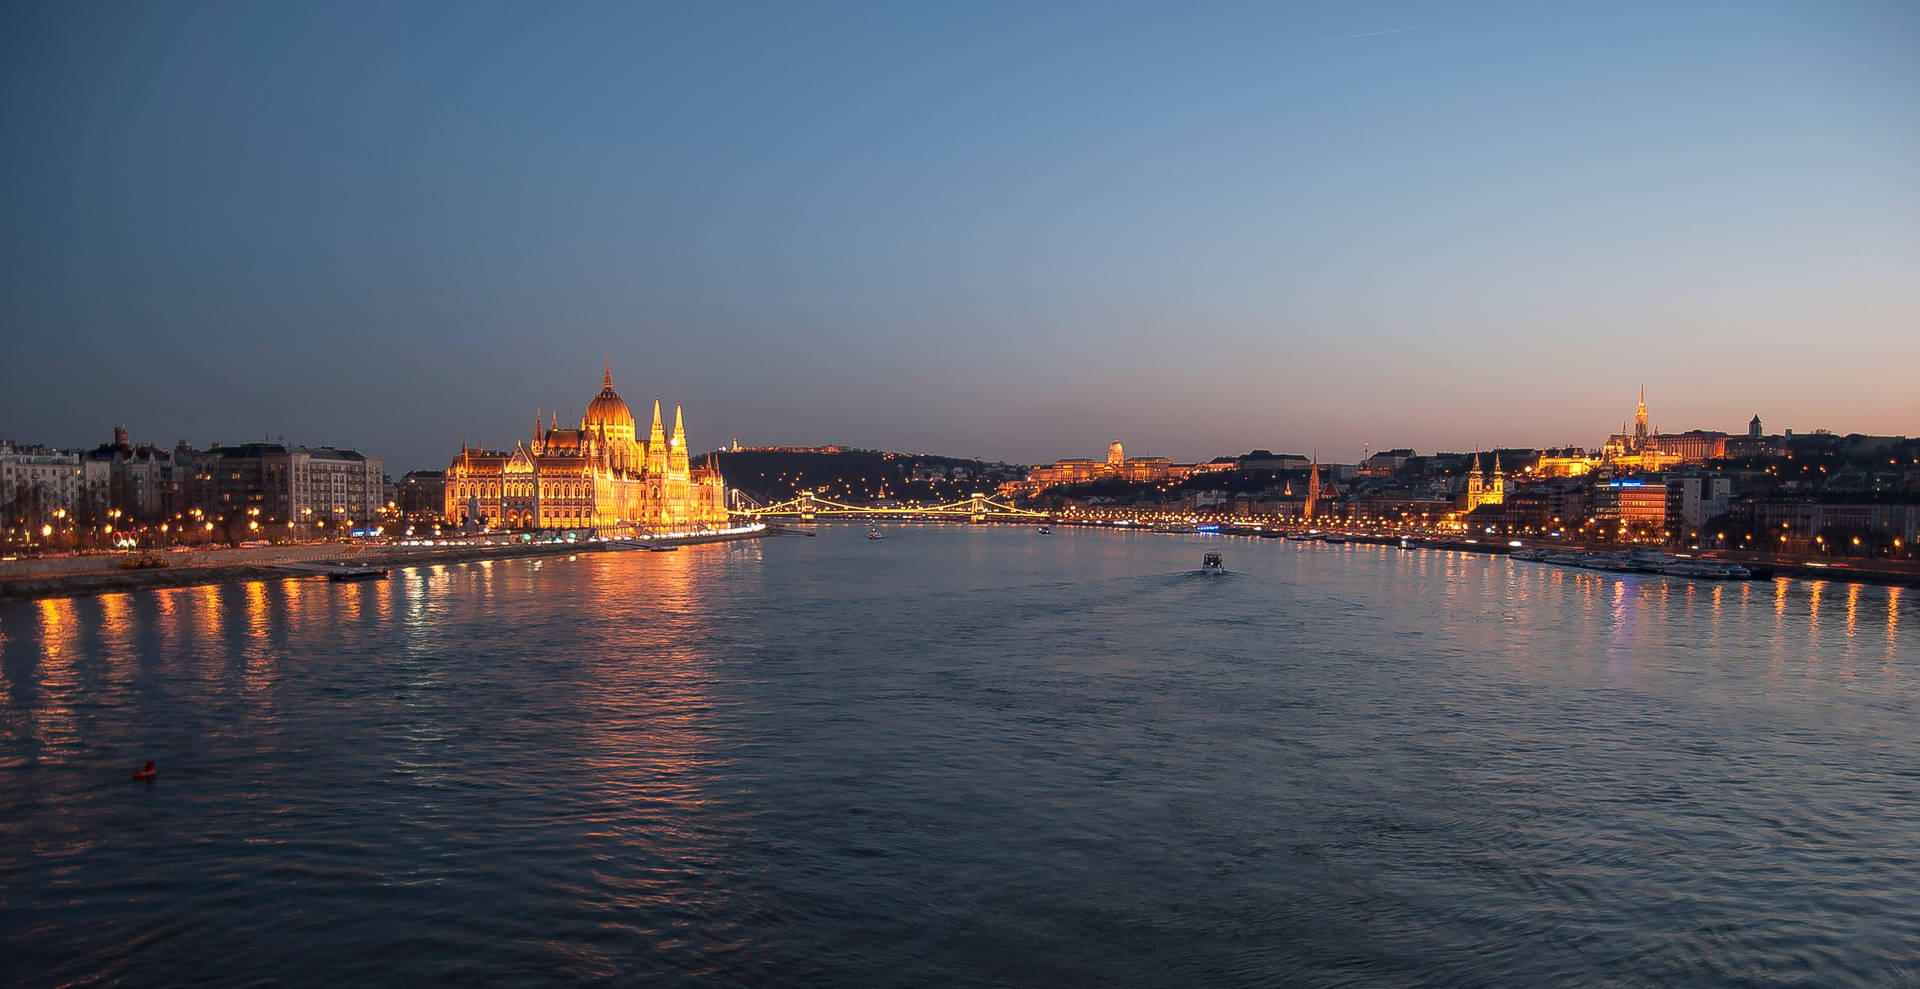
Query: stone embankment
x=79 y=576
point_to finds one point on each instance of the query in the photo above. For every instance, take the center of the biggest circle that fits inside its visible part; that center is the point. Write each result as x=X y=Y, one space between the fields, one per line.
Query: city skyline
x=518 y=434
x=1006 y=233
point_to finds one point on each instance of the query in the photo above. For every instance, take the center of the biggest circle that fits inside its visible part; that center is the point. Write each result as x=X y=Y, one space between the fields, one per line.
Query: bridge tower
x=806 y=506
x=979 y=507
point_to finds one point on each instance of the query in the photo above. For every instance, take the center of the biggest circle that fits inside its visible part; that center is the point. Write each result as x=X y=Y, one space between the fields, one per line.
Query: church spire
x=607 y=382
x=1313 y=484
x=677 y=467
x=656 y=444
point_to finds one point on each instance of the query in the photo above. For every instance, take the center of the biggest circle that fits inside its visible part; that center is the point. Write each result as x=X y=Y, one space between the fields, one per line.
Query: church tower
x=1640 y=422
x=1753 y=427
x=1313 y=484
x=656 y=445
x=677 y=448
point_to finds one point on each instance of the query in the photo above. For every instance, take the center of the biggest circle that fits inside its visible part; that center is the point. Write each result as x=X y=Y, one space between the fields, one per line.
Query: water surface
x=966 y=755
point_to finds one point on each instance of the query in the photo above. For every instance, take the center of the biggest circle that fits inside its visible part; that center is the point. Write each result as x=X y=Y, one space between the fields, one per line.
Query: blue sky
x=1006 y=230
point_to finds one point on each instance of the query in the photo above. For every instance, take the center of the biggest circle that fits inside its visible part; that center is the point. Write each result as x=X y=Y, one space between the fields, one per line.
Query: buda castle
x=597 y=476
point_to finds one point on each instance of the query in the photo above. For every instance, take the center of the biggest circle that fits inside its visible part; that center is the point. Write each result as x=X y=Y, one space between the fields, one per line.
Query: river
x=969 y=756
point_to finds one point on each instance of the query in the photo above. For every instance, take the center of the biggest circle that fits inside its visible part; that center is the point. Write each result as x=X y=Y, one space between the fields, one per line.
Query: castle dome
x=608 y=411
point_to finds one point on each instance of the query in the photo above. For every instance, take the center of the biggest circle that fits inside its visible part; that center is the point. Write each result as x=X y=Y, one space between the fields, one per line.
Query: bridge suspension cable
x=807 y=506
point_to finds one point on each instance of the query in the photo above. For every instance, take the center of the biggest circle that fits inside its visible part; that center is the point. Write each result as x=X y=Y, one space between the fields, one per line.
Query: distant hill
x=860 y=476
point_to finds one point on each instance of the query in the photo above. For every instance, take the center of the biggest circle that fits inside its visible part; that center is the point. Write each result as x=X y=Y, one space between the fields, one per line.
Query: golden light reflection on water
x=1633 y=613
x=53 y=721
x=347 y=601
x=1813 y=617
x=1893 y=626
x=648 y=693
x=259 y=664
x=116 y=623
x=168 y=623
x=207 y=606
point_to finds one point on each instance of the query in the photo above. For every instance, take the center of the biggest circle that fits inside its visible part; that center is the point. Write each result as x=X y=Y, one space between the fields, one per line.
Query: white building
x=38 y=479
x=1692 y=501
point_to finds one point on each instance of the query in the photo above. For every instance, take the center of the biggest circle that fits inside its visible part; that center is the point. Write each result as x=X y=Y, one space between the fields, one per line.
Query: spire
x=607 y=382
x=679 y=429
x=656 y=445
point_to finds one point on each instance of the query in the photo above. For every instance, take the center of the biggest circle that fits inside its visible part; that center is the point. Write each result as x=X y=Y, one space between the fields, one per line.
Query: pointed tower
x=1476 y=485
x=1640 y=422
x=539 y=445
x=1498 y=496
x=677 y=448
x=656 y=445
x=1313 y=484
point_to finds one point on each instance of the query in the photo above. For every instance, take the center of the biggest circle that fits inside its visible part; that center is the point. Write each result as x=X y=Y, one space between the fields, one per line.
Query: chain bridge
x=807 y=507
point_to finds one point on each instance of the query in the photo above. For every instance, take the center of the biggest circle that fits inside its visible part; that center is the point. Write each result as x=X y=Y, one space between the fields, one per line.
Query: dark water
x=966 y=756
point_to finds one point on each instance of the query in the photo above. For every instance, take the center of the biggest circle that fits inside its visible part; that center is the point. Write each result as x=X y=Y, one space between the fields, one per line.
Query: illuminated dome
x=608 y=412
x=1116 y=454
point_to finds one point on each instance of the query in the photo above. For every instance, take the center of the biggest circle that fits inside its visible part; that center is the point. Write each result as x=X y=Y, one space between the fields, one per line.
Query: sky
x=1007 y=230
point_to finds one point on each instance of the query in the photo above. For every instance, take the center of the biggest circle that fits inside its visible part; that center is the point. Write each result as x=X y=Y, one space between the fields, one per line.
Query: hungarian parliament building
x=597 y=476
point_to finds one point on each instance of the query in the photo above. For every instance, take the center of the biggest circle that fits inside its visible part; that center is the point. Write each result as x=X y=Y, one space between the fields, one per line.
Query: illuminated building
x=1570 y=462
x=1313 y=487
x=1646 y=449
x=598 y=475
x=1481 y=491
x=1631 y=502
x=1140 y=470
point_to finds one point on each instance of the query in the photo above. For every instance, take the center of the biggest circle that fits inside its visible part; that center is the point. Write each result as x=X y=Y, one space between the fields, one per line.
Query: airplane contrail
x=1369 y=34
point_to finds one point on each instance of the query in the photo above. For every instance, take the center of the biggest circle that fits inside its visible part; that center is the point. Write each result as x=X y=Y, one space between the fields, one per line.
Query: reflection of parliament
x=599 y=475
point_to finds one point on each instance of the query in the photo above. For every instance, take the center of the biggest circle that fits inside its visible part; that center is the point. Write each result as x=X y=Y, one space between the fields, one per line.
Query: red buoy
x=147 y=773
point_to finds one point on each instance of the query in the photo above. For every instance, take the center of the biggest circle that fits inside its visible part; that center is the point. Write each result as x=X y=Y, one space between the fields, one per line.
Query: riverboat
x=1707 y=570
x=356 y=573
x=1211 y=561
x=874 y=533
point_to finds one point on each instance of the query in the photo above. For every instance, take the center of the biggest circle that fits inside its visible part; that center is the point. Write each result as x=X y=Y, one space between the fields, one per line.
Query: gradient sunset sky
x=1013 y=231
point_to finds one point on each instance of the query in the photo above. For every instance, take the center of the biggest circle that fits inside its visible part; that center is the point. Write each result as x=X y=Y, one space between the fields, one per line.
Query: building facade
x=37 y=481
x=600 y=475
x=283 y=483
